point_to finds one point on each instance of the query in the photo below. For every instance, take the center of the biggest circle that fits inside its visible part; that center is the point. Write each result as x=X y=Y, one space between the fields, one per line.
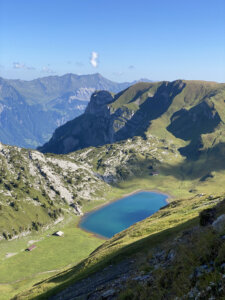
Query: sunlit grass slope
x=177 y=216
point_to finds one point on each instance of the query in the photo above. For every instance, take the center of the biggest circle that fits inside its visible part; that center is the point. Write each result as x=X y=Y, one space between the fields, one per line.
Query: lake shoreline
x=115 y=200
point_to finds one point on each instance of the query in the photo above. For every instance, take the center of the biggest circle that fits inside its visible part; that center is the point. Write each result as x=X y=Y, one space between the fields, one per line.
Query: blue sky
x=127 y=40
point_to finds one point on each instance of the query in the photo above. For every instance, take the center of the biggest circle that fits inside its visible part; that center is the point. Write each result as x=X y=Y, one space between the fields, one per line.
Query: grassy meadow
x=22 y=269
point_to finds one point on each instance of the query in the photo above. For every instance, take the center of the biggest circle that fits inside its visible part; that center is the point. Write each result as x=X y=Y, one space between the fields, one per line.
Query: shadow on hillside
x=189 y=125
x=151 y=109
x=210 y=160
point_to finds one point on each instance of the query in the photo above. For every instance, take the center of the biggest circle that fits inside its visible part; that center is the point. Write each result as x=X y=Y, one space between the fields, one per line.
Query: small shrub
x=69 y=180
x=14 y=206
x=35 y=226
x=36 y=199
x=21 y=229
x=5 y=235
x=126 y=295
x=7 y=186
x=207 y=216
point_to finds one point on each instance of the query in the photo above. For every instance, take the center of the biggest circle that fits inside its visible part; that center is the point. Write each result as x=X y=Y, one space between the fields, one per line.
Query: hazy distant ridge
x=30 y=111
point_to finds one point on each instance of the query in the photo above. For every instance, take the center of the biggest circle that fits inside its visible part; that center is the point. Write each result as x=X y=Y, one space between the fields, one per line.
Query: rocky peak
x=98 y=102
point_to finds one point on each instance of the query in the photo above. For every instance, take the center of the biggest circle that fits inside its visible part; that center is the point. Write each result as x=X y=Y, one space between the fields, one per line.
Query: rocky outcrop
x=93 y=128
x=98 y=104
x=36 y=189
x=219 y=224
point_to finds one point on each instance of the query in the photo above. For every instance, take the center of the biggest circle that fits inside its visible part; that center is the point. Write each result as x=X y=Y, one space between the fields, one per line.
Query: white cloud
x=94 y=59
x=17 y=65
x=47 y=70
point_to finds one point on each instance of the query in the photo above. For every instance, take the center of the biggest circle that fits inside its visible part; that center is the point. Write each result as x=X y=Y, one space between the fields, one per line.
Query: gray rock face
x=98 y=103
x=219 y=224
x=58 y=185
x=93 y=128
x=108 y=294
x=101 y=285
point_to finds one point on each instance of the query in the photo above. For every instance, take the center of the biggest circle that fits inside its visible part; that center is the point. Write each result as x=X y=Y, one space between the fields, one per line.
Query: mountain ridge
x=50 y=87
x=136 y=110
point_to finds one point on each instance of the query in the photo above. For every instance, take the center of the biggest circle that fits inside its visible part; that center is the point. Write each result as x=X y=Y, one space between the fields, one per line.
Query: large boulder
x=219 y=224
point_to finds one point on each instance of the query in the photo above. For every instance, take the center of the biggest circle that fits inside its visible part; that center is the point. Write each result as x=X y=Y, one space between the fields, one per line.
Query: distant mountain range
x=30 y=111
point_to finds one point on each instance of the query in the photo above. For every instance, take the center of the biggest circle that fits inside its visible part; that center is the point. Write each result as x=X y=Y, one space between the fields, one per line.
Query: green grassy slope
x=138 y=239
x=191 y=265
x=19 y=269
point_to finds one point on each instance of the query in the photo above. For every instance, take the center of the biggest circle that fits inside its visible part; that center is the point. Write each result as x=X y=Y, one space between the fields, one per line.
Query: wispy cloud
x=94 y=59
x=47 y=70
x=17 y=65
x=131 y=67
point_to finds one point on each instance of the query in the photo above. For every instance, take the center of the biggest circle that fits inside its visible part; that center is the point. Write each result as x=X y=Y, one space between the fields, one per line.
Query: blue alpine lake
x=121 y=214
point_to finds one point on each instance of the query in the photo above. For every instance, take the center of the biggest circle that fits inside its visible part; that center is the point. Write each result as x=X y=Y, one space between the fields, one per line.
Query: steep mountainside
x=36 y=189
x=30 y=111
x=20 y=123
x=191 y=113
